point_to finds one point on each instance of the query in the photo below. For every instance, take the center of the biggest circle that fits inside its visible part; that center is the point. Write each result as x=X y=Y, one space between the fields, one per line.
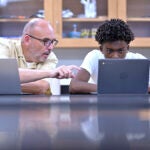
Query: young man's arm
x=79 y=84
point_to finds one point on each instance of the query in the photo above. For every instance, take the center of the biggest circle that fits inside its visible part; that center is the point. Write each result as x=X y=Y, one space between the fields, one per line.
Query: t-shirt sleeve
x=90 y=61
x=86 y=64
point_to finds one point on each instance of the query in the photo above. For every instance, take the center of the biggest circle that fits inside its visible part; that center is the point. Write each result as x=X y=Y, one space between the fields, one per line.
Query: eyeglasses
x=46 y=41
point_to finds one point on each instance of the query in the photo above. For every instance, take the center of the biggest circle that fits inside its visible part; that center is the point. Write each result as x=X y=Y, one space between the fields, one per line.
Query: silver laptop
x=123 y=76
x=9 y=77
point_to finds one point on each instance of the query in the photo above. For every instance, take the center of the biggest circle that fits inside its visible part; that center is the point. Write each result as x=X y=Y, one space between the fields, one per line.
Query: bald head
x=37 y=25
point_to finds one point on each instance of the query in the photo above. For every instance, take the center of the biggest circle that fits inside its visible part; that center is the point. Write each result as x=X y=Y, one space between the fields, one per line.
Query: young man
x=33 y=51
x=114 y=37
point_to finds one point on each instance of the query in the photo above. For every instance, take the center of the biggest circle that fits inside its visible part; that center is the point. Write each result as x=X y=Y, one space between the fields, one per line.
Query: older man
x=33 y=51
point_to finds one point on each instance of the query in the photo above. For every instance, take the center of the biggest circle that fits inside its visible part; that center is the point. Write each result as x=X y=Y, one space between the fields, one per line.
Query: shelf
x=76 y=42
x=145 y=19
x=98 y=19
x=16 y=13
x=14 y=20
x=106 y=9
x=64 y=27
x=140 y=42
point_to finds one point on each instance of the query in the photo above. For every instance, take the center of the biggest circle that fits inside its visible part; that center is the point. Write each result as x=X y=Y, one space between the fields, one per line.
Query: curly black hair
x=114 y=30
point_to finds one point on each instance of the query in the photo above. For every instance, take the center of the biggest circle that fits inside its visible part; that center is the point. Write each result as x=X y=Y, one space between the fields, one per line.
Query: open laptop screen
x=9 y=77
x=123 y=76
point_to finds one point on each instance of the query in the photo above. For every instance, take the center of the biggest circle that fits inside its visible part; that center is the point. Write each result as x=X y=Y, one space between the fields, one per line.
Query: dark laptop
x=123 y=76
x=9 y=77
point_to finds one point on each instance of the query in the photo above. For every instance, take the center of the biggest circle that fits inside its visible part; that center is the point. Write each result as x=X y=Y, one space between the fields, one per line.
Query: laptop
x=123 y=76
x=9 y=77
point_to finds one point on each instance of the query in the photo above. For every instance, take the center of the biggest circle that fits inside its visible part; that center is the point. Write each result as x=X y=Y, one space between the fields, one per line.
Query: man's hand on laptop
x=65 y=72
